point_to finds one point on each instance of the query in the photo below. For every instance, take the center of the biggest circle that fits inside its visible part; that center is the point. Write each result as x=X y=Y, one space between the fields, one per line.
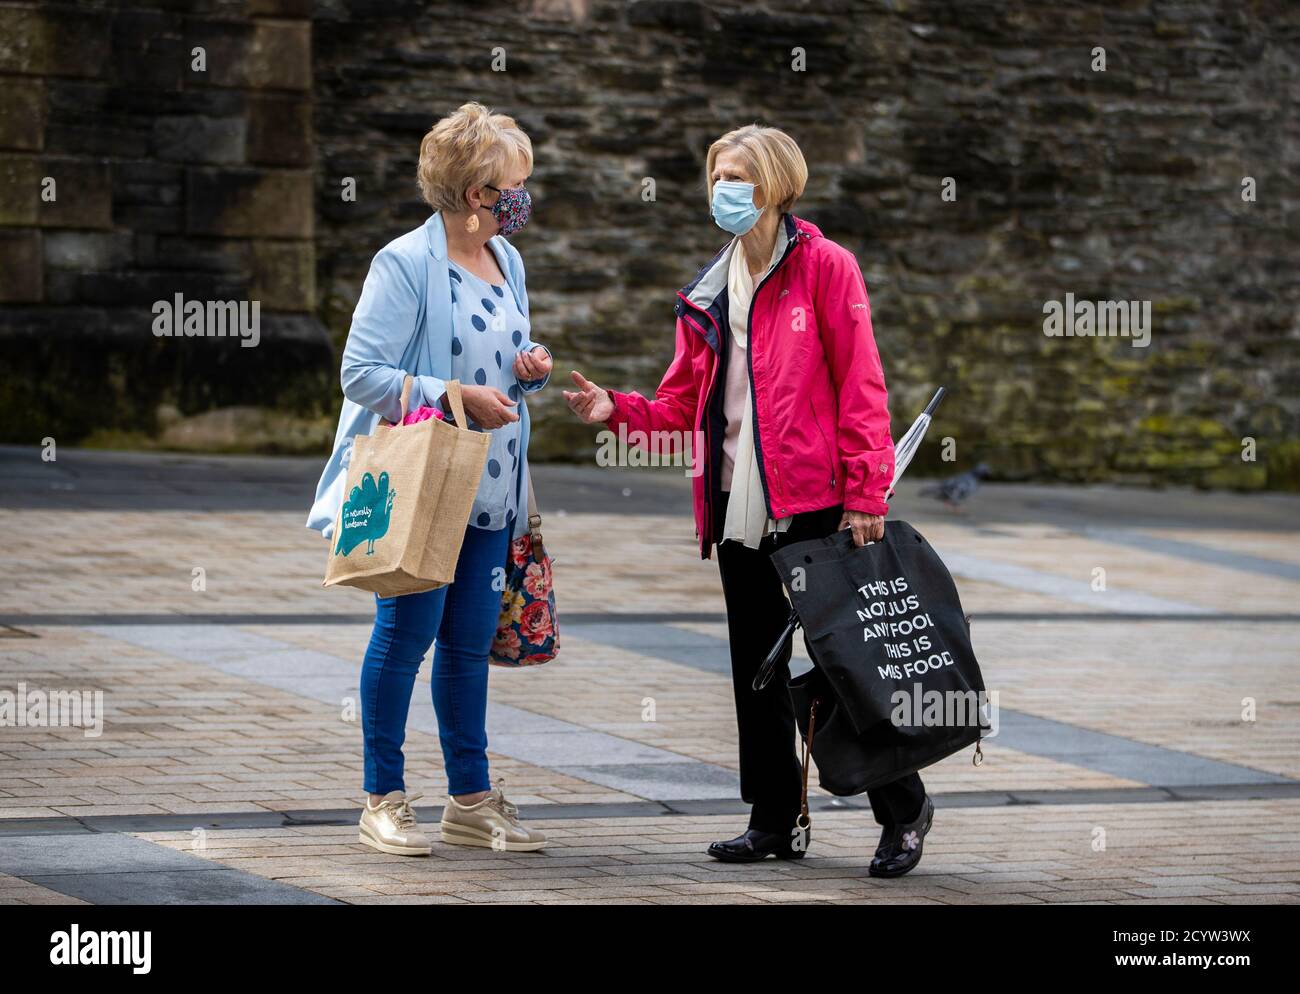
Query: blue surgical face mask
x=733 y=206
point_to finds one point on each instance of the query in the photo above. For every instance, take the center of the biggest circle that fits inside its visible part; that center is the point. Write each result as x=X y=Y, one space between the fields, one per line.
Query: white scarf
x=747 y=519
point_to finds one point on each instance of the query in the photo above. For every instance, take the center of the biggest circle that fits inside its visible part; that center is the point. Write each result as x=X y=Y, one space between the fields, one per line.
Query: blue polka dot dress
x=488 y=329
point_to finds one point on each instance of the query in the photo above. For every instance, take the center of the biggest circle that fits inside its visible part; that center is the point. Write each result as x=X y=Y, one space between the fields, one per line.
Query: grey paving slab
x=680 y=781
x=505 y=719
x=223 y=647
x=284 y=663
x=327 y=689
x=1119 y=756
x=678 y=645
x=215 y=886
x=596 y=749
x=121 y=869
x=44 y=855
x=1072 y=589
x=1195 y=552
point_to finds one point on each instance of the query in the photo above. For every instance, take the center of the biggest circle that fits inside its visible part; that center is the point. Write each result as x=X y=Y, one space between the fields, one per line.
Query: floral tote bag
x=528 y=630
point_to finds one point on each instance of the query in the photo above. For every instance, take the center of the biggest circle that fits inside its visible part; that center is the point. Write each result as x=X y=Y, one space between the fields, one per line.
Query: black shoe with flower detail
x=900 y=845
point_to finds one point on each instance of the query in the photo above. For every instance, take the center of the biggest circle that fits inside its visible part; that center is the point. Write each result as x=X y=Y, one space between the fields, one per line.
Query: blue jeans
x=463 y=616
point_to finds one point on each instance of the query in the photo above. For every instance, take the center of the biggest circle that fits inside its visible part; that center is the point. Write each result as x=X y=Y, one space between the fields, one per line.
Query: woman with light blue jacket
x=446 y=301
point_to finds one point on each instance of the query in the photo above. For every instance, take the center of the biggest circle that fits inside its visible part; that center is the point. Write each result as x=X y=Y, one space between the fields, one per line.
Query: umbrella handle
x=779 y=648
x=930 y=408
x=935 y=401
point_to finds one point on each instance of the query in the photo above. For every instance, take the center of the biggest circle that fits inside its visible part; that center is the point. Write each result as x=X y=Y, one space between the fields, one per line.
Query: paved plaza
x=1147 y=746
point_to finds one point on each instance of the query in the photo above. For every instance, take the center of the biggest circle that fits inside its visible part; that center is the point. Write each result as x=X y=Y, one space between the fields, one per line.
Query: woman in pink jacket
x=777 y=379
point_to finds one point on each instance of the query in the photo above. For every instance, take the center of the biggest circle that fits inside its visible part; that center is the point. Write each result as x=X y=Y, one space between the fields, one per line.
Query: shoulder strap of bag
x=534 y=521
x=804 y=821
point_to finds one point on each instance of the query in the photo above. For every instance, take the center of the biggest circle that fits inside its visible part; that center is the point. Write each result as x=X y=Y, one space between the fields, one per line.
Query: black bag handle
x=782 y=647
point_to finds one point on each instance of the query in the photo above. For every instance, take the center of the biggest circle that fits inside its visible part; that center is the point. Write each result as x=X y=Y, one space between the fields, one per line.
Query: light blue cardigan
x=403 y=324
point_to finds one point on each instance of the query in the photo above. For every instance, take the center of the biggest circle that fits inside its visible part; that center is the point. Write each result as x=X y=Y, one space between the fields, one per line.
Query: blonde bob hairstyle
x=469 y=147
x=774 y=162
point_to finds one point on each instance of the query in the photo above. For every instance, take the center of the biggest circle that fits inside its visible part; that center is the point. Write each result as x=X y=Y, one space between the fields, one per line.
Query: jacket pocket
x=826 y=445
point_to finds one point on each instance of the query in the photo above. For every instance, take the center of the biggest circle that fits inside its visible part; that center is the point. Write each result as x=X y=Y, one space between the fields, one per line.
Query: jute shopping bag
x=410 y=489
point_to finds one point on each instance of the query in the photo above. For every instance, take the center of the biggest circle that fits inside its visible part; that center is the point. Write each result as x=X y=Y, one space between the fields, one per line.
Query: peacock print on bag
x=366 y=514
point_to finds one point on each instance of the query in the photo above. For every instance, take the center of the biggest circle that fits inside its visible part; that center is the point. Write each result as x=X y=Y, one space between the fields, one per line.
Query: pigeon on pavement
x=957 y=489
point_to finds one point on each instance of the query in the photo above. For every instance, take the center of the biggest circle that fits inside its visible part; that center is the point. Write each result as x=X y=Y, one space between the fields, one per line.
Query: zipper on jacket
x=702 y=420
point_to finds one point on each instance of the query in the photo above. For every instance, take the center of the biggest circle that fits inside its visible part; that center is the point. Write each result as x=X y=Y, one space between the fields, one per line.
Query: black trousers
x=757 y=609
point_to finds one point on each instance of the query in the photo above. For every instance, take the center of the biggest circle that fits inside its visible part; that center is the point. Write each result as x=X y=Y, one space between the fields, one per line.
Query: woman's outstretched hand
x=866 y=527
x=589 y=401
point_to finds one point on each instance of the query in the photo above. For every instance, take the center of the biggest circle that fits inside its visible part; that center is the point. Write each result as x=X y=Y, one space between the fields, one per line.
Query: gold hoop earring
x=471 y=224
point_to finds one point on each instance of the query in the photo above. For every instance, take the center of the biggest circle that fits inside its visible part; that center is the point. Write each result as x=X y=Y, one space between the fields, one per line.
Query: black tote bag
x=895 y=685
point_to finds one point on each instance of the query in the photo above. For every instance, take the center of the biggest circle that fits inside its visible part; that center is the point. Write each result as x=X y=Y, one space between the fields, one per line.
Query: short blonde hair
x=773 y=159
x=469 y=147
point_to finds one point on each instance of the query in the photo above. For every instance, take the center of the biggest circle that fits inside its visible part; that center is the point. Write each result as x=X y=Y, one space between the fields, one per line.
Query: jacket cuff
x=620 y=409
x=426 y=391
x=867 y=505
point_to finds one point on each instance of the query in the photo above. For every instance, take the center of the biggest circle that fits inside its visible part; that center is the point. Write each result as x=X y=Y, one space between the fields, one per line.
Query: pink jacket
x=821 y=422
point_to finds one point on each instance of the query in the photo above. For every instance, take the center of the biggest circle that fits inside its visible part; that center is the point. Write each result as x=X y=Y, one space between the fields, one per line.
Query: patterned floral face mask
x=512 y=210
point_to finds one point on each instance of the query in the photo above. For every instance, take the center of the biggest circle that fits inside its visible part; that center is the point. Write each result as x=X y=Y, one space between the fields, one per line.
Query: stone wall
x=130 y=173
x=1117 y=185
x=1123 y=184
